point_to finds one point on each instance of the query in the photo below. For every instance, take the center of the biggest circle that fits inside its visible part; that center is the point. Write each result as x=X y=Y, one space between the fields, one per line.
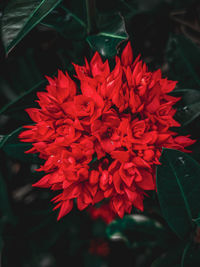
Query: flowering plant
x=105 y=140
x=104 y=136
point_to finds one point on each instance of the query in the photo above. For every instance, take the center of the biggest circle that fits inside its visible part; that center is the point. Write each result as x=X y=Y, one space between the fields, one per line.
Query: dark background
x=167 y=34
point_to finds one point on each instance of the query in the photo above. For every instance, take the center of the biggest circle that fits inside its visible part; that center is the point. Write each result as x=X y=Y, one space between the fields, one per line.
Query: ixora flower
x=103 y=142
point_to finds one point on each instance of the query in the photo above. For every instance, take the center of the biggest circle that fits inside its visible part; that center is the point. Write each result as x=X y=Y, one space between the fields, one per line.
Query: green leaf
x=21 y=16
x=12 y=146
x=178 y=187
x=112 y=32
x=68 y=24
x=25 y=100
x=191 y=255
x=188 y=108
x=183 y=57
x=137 y=230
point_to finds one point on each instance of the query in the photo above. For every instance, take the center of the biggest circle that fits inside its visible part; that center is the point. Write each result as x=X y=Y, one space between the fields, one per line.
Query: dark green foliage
x=183 y=57
x=111 y=33
x=178 y=188
x=21 y=16
x=188 y=108
x=138 y=231
x=38 y=37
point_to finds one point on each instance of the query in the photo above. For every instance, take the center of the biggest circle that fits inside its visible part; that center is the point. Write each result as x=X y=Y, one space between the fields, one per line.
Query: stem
x=91 y=16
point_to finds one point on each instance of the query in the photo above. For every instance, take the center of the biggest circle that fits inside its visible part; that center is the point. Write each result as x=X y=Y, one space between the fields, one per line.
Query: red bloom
x=99 y=247
x=105 y=142
x=103 y=212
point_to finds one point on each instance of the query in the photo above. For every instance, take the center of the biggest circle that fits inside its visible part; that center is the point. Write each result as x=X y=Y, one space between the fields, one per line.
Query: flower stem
x=91 y=16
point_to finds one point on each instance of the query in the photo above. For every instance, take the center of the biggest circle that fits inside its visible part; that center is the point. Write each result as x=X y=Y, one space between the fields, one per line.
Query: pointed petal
x=66 y=207
x=127 y=55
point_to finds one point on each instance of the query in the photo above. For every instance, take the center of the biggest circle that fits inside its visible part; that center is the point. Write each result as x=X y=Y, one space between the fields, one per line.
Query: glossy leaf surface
x=112 y=33
x=178 y=186
x=21 y=16
x=136 y=230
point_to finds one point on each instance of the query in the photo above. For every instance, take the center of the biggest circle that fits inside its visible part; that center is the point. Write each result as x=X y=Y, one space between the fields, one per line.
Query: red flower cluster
x=104 y=141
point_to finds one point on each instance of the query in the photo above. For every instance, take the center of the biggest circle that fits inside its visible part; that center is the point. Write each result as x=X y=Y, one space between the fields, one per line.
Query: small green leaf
x=12 y=146
x=191 y=255
x=112 y=32
x=178 y=188
x=137 y=230
x=21 y=16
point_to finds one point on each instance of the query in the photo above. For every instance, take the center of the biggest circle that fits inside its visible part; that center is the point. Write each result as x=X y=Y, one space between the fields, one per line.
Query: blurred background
x=167 y=35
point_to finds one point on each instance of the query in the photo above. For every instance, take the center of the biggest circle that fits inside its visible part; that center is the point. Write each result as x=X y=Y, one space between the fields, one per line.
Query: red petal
x=138 y=202
x=81 y=205
x=122 y=156
x=72 y=191
x=90 y=91
x=127 y=55
x=108 y=192
x=92 y=189
x=34 y=114
x=87 y=197
x=94 y=177
x=27 y=136
x=118 y=206
x=132 y=195
x=184 y=140
x=139 y=162
x=43 y=183
x=66 y=207
x=154 y=105
x=147 y=182
x=99 y=68
x=148 y=155
x=117 y=182
x=98 y=197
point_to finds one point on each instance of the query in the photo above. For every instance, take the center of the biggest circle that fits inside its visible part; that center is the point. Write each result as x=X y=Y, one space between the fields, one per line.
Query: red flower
x=99 y=247
x=105 y=142
x=103 y=212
